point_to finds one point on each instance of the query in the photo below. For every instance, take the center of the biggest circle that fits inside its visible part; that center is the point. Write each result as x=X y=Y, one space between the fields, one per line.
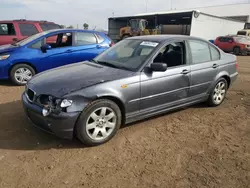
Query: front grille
x=30 y=95
x=44 y=100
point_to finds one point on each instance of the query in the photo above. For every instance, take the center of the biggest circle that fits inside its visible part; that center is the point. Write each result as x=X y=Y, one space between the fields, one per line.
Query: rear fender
x=218 y=76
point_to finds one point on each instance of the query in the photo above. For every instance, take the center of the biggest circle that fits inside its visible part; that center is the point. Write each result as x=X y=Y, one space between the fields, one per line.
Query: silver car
x=137 y=78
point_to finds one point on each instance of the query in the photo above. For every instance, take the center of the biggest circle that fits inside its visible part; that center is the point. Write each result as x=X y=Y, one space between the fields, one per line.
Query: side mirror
x=158 y=67
x=45 y=47
x=230 y=41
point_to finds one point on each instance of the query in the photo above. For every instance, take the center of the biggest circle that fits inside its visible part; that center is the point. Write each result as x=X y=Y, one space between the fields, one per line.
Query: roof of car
x=24 y=20
x=162 y=38
x=72 y=30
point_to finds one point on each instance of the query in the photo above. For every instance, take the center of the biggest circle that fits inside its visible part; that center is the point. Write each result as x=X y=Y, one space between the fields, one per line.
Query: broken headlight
x=52 y=104
x=66 y=103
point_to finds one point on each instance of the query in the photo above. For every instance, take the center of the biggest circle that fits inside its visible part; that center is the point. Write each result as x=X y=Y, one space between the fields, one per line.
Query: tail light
x=236 y=65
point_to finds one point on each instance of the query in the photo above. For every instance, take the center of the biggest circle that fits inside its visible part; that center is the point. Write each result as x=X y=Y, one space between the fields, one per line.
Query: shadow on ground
x=18 y=133
x=6 y=83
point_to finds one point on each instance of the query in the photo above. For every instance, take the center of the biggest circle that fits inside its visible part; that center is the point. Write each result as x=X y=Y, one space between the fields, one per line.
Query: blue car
x=47 y=50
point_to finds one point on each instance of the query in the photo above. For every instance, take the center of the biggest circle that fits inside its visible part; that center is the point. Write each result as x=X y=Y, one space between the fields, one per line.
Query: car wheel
x=20 y=74
x=99 y=122
x=236 y=50
x=218 y=93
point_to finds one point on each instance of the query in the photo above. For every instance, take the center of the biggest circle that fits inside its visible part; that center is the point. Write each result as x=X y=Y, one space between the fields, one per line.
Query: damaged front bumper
x=61 y=125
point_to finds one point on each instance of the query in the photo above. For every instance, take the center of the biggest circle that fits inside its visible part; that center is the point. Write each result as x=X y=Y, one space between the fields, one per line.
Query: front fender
x=83 y=97
x=79 y=103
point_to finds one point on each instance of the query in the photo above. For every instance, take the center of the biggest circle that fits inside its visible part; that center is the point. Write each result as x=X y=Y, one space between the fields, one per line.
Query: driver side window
x=60 y=40
x=172 y=54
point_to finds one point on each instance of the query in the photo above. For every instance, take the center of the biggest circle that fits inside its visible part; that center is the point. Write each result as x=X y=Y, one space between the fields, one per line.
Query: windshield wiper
x=105 y=63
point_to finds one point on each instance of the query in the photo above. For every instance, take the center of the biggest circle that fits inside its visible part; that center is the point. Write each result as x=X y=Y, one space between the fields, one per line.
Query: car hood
x=7 y=48
x=67 y=79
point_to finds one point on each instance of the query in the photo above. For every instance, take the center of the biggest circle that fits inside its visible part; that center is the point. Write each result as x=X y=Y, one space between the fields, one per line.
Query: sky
x=93 y=12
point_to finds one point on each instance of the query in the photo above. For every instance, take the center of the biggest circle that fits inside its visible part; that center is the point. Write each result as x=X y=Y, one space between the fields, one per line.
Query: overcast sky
x=94 y=12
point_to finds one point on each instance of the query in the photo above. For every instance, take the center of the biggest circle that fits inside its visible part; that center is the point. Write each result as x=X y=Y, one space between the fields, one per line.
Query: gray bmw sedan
x=137 y=78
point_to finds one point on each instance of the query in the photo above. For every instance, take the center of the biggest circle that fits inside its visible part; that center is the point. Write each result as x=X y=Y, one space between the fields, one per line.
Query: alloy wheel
x=101 y=123
x=22 y=75
x=219 y=92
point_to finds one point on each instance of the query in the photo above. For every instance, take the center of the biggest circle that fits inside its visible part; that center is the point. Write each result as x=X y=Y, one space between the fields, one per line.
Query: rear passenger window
x=7 y=29
x=222 y=39
x=27 y=29
x=200 y=51
x=83 y=38
x=214 y=53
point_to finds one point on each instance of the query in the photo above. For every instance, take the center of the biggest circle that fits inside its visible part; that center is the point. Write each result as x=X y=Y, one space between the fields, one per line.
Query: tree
x=86 y=26
x=70 y=27
x=62 y=26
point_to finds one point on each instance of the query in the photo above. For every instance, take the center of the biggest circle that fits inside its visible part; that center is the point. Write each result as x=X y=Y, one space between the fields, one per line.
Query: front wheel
x=218 y=94
x=99 y=122
x=20 y=74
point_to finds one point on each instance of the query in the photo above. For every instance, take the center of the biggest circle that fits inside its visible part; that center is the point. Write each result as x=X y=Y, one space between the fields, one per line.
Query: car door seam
x=157 y=95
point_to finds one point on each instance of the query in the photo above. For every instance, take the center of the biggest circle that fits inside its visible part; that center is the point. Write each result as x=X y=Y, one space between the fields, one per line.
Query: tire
x=91 y=132
x=218 y=94
x=25 y=71
x=236 y=50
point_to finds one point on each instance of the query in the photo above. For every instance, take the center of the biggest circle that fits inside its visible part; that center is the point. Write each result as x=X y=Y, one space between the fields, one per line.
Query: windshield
x=242 y=39
x=29 y=39
x=127 y=54
x=134 y=24
x=242 y=33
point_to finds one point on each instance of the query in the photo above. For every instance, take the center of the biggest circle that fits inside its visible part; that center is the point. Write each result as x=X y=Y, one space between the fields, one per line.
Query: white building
x=236 y=11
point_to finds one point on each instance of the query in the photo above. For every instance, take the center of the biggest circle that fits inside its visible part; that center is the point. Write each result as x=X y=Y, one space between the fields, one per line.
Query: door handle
x=215 y=66
x=98 y=46
x=185 y=71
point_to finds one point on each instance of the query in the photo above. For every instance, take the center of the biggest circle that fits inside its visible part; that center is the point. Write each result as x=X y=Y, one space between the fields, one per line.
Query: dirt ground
x=193 y=147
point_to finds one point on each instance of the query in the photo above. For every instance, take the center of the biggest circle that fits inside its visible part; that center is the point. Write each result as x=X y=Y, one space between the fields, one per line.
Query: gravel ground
x=193 y=147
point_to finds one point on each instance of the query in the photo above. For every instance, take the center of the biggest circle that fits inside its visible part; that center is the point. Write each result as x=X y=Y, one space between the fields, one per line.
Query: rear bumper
x=61 y=125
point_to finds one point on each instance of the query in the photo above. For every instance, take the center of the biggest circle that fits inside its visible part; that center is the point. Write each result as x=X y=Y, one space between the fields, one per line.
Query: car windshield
x=242 y=39
x=241 y=33
x=29 y=39
x=127 y=54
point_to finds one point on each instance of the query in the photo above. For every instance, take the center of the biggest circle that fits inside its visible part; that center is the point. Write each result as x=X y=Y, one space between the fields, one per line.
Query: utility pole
x=171 y=4
x=146 y=5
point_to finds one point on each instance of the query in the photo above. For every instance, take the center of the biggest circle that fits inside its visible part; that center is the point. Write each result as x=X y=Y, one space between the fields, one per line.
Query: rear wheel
x=99 y=122
x=218 y=94
x=20 y=74
x=236 y=50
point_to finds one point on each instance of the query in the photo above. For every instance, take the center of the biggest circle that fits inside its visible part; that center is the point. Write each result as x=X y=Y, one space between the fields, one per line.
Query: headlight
x=66 y=103
x=3 y=57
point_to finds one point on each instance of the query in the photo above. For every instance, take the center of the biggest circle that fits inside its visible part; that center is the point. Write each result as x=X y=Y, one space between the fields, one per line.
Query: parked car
x=17 y=30
x=236 y=44
x=137 y=78
x=50 y=49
